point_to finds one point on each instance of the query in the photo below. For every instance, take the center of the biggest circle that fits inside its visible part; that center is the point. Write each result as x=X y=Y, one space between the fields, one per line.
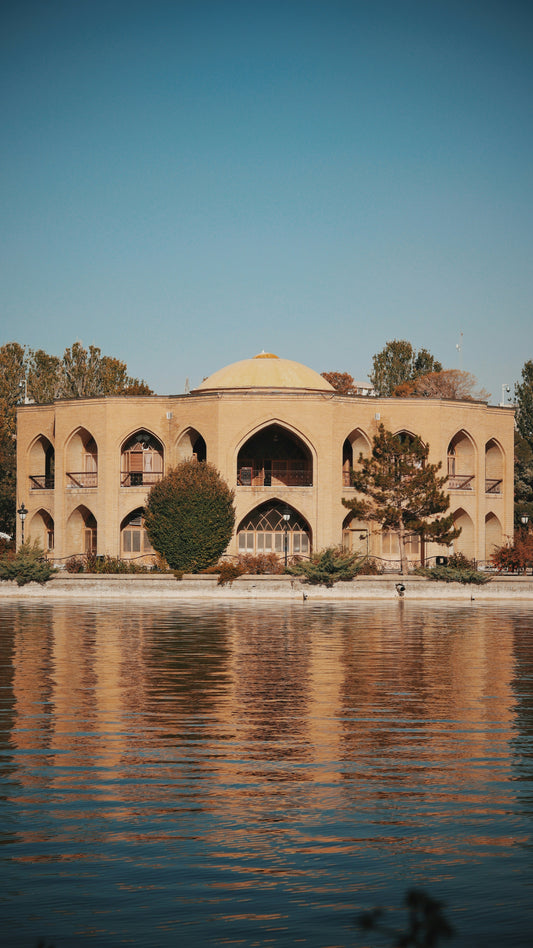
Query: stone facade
x=280 y=436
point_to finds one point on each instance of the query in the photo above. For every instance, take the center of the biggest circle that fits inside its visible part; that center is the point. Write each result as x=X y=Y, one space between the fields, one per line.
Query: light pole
x=286 y=518
x=23 y=513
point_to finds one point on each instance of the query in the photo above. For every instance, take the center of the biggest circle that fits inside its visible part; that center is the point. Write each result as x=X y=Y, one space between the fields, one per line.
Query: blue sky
x=185 y=184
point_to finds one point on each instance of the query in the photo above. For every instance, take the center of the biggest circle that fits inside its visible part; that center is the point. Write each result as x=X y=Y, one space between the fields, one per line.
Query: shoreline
x=157 y=586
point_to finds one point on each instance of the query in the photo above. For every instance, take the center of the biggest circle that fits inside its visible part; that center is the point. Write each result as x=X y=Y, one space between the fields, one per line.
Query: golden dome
x=265 y=371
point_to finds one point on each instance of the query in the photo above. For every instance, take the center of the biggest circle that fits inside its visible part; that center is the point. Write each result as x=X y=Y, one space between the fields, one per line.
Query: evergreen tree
x=189 y=516
x=404 y=491
x=398 y=362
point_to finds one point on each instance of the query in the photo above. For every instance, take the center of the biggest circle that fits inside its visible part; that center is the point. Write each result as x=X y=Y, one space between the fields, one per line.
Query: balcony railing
x=41 y=482
x=282 y=473
x=493 y=485
x=140 y=478
x=461 y=481
x=82 y=479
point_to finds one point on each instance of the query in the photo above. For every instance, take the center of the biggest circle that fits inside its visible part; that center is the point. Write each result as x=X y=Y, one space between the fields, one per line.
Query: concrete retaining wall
x=157 y=586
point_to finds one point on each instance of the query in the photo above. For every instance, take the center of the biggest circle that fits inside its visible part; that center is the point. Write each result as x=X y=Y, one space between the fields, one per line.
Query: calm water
x=259 y=774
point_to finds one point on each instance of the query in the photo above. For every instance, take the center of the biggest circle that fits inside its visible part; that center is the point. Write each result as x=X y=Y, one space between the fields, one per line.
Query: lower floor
x=273 y=526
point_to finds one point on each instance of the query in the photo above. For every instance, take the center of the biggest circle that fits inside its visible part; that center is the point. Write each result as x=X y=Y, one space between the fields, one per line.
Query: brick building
x=280 y=436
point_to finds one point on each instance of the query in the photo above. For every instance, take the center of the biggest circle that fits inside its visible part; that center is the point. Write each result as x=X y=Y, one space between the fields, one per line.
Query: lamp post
x=286 y=518
x=23 y=513
x=524 y=520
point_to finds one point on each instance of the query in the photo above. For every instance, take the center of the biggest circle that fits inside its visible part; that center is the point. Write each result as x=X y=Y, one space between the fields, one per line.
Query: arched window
x=355 y=444
x=355 y=535
x=42 y=464
x=265 y=528
x=274 y=457
x=134 y=538
x=142 y=460
x=493 y=467
x=461 y=463
x=82 y=460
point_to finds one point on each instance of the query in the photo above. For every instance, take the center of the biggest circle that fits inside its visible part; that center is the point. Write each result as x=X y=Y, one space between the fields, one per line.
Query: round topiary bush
x=189 y=516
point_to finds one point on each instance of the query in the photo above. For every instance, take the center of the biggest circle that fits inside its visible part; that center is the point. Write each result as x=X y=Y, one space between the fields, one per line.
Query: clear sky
x=185 y=184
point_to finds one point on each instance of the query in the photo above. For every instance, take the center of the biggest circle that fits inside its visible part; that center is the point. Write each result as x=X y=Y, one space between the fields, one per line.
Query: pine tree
x=404 y=491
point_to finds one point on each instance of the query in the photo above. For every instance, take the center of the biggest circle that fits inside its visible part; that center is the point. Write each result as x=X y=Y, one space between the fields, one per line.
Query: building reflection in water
x=312 y=727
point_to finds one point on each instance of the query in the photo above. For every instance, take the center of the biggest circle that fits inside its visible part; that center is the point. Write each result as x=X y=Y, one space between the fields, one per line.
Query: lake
x=260 y=774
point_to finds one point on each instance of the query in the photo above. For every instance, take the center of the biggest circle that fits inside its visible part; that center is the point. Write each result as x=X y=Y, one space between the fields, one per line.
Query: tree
x=523 y=478
x=524 y=403
x=189 y=516
x=404 y=491
x=42 y=378
x=398 y=362
x=342 y=382
x=448 y=383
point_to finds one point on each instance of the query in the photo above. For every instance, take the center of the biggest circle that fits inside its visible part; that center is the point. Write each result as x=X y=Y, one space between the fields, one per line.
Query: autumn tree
x=40 y=377
x=402 y=491
x=342 y=382
x=189 y=516
x=398 y=362
x=448 y=383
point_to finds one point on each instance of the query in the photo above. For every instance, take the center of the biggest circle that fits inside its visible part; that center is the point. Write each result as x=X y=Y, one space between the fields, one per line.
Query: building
x=280 y=436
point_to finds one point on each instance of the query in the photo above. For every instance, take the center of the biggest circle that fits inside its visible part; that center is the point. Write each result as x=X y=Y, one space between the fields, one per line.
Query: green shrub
x=459 y=569
x=91 y=563
x=328 y=567
x=27 y=565
x=189 y=516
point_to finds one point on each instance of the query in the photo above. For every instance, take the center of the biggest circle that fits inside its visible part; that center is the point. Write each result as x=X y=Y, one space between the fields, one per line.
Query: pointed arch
x=41 y=528
x=274 y=455
x=465 y=542
x=494 y=467
x=81 y=456
x=355 y=534
x=191 y=444
x=134 y=541
x=141 y=459
x=272 y=527
x=355 y=444
x=81 y=531
x=493 y=534
x=41 y=461
x=461 y=461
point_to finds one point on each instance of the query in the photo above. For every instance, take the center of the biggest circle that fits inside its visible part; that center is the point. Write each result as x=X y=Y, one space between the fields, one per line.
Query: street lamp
x=286 y=518
x=23 y=513
x=524 y=521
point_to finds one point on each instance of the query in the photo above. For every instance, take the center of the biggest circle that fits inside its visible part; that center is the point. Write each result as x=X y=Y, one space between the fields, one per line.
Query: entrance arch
x=274 y=456
x=264 y=529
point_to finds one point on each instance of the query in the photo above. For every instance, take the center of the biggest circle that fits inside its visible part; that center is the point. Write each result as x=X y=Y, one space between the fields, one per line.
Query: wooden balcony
x=461 y=481
x=82 y=479
x=41 y=482
x=493 y=485
x=140 y=478
x=279 y=473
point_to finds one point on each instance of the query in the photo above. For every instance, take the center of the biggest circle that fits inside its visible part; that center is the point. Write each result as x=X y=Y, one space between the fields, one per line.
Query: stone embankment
x=156 y=586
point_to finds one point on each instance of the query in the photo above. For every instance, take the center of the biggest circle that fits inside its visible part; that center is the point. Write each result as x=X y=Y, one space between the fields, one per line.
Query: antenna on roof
x=187 y=387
